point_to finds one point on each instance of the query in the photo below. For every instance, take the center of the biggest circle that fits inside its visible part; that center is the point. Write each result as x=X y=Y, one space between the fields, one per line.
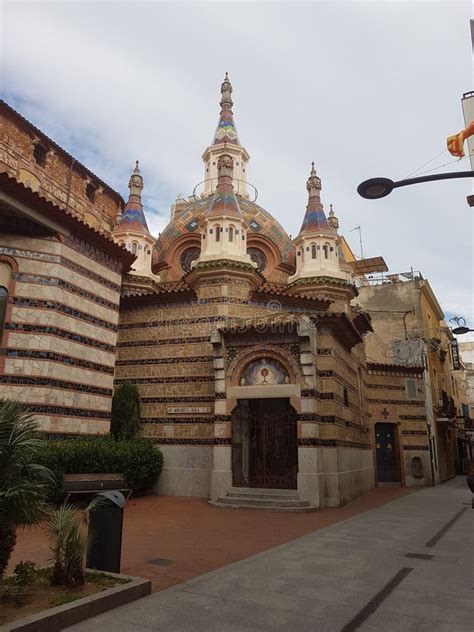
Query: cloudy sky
x=363 y=89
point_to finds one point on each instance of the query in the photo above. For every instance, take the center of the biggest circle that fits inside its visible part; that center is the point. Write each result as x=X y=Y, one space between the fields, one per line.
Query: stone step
x=263 y=502
x=249 y=492
x=245 y=505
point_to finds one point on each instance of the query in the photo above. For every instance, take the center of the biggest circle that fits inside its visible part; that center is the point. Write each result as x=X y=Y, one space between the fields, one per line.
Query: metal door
x=386 y=452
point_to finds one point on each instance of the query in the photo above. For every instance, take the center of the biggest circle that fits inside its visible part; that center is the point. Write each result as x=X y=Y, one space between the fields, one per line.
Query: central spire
x=226 y=130
x=226 y=141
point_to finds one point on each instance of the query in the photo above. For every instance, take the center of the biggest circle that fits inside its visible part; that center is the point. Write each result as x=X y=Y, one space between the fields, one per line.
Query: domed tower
x=226 y=141
x=224 y=232
x=318 y=262
x=132 y=229
x=223 y=265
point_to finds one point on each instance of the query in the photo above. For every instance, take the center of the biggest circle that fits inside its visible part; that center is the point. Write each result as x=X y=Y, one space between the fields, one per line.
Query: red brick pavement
x=200 y=538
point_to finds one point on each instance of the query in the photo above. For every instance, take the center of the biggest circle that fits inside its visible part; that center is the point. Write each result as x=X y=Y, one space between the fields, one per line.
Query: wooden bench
x=92 y=484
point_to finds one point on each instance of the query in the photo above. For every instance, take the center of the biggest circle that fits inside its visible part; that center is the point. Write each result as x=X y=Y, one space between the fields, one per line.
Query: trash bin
x=105 y=533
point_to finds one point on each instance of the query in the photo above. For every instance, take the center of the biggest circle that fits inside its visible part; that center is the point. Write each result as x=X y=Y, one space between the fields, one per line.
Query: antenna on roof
x=360 y=240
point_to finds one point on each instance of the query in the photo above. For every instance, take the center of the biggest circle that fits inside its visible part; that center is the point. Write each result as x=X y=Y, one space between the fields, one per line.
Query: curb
x=61 y=617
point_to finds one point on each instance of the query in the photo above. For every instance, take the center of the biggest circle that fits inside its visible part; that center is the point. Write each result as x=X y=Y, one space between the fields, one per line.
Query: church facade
x=247 y=346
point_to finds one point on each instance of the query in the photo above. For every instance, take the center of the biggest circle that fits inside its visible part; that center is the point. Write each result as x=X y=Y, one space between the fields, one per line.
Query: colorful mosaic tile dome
x=257 y=219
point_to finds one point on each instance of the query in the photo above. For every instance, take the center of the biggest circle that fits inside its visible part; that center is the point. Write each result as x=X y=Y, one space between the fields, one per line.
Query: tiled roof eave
x=53 y=144
x=51 y=211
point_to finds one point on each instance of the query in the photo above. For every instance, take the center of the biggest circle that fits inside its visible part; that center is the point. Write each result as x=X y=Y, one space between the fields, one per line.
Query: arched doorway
x=264 y=444
x=386 y=450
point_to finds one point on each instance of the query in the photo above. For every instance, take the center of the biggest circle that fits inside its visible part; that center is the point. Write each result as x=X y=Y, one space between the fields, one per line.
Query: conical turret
x=132 y=228
x=133 y=216
x=316 y=244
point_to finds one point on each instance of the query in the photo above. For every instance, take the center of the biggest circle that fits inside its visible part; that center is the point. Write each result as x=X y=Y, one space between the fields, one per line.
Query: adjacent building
x=411 y=336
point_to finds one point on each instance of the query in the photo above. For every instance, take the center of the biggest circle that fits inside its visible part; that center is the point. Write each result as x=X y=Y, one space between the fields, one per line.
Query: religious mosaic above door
x=264 y=371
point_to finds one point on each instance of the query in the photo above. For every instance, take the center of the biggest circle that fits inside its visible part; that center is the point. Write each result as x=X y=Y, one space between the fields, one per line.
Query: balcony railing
x=390 y=279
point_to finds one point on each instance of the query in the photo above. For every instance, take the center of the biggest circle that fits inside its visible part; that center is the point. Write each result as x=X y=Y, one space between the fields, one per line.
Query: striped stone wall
x=60 y=331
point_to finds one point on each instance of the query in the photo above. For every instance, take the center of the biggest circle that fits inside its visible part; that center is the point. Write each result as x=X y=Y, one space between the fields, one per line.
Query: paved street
x=354 y=575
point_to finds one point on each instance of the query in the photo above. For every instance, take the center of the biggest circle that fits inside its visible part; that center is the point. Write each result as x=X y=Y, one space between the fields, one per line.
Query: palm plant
x=67 y=529
x=23 y=483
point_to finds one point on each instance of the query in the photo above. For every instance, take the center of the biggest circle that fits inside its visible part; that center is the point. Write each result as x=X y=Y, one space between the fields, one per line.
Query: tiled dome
x=258 y=220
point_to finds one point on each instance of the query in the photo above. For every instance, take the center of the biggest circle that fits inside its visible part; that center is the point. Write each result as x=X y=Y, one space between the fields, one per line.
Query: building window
x=218 y=233
x=258 y=257
x=313 y=251
x=90 y=192
x=325 y=249
x=231 y=233
x=3 y=307
x=411 y=390
x=345 y=395
x=39 y=154
x=187 y=257
x=134 y=247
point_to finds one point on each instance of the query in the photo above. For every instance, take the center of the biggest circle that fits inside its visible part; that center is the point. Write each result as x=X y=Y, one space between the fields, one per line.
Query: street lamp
x=461 y=326
x=377 y=188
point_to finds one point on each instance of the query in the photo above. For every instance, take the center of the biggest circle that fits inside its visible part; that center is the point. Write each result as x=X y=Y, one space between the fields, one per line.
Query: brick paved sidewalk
x=405 y=566
x=198 y=538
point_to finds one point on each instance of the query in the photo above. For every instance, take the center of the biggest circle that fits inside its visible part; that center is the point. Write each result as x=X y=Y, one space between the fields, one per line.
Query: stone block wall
x=60 y=331
x=388 y=402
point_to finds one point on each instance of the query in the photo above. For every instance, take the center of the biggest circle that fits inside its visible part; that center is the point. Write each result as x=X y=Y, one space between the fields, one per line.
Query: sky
x=362 y=88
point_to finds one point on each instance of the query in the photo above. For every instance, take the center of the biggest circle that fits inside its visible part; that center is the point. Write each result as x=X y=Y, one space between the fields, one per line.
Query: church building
x=248 y=353
x=247 y=346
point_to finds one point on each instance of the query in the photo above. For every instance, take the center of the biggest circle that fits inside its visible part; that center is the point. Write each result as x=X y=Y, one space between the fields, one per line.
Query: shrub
x=125 y=412
x=24 y=483
x=138 y=460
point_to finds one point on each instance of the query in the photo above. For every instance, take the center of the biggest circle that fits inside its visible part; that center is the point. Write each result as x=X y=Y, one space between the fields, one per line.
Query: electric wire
x=443 y=165
x=426 y=163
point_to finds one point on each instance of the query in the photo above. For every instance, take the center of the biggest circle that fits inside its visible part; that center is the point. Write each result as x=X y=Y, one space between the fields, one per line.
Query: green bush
x=139 y=460
x=125 y=414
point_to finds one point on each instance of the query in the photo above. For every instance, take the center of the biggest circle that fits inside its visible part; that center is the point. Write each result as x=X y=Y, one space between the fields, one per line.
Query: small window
x=345 y=396
x=40 y=154
x=3 y=307
x=326 y=253
x=231 y=233
x=313 y=251
x=90 y=192
x=411 y=390
x=218 y=234
x=134 y=247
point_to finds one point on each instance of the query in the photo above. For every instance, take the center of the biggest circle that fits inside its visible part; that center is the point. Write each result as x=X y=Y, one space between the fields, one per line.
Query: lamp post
x=461 y=328
x=377 y=188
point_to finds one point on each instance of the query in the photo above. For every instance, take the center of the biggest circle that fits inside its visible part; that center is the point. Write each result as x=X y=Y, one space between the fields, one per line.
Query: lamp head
x=375 y=188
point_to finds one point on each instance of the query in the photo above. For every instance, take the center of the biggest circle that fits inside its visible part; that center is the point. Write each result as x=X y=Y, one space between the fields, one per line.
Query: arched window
x=134 y=247
x=326 y=251
x=218 y=232
x=258 y=257
x=187 y=257
x=313 y=251
x=231 y=233
x=3 y=307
